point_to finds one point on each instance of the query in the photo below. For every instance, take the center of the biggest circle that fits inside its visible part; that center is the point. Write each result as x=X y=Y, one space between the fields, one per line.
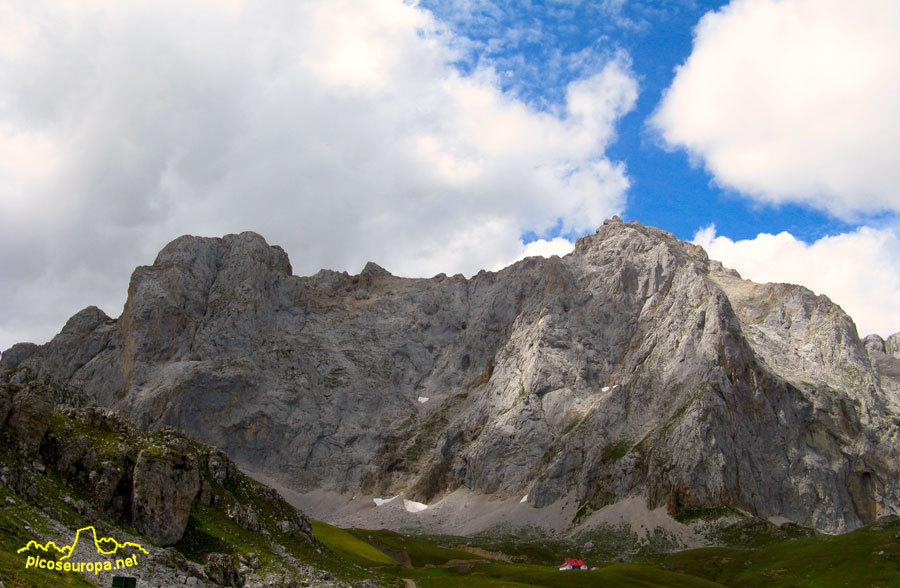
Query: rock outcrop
x=165 y=486
x=27 y=411
x=221 y=571
x=87 y=467
x=634 y=366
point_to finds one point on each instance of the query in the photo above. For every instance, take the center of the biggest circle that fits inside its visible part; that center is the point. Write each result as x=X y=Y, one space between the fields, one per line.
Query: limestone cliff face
x=633 y=366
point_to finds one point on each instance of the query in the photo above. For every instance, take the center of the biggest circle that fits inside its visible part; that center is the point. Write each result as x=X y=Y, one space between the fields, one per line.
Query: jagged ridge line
x=68 y=549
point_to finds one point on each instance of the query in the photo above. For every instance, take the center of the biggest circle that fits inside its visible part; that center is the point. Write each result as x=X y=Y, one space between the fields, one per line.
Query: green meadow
x=869 y=556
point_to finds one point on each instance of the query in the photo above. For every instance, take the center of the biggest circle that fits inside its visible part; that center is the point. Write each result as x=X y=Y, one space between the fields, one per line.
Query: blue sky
x=540 y=47
x=446 y=136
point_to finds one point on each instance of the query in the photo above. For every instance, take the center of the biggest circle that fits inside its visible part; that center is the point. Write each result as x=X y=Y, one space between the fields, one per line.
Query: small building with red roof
x=573 y=564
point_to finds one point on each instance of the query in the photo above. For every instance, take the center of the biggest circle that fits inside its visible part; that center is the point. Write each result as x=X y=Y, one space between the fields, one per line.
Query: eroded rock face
x=892 y=346
x=5 y=402
x=165 y=487
x=634 y=366
x=29 y=416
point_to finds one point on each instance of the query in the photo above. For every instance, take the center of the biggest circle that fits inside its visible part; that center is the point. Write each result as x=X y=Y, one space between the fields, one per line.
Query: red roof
x=574 y=563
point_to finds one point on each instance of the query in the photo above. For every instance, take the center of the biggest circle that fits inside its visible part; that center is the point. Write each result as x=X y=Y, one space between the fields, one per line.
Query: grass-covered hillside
x=199 y=519
x=761 y=555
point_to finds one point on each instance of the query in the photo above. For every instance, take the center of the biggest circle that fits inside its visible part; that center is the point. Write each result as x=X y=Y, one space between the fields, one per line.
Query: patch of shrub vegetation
x=688 y=515
x=615 y=451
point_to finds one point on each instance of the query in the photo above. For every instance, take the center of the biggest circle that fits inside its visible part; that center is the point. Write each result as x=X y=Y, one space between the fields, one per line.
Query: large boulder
x=165 y=487
x=29 y=417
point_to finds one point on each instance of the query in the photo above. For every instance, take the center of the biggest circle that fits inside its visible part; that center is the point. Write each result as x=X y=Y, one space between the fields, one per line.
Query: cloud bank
x=860 y=271
x=794 y=101
x=339 y=130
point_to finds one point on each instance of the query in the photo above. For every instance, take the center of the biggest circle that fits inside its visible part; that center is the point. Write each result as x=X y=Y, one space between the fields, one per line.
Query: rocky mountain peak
x=633 y=367
x=373 y=270
x=243 y=249
x=629 y=237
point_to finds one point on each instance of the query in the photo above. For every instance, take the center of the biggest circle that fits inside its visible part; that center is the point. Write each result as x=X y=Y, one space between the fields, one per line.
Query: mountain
x=634 y=368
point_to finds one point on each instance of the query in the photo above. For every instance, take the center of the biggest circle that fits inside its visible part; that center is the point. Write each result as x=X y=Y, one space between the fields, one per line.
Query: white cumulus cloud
x=337 y=129
x=543 y=248
x=794 y=100
x=860 y=270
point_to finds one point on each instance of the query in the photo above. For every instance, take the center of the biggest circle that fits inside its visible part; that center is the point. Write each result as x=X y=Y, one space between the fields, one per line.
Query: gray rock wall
x=633 y=366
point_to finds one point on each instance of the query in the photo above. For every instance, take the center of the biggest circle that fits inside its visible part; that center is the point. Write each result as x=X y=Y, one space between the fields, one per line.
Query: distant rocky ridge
x=633 y=367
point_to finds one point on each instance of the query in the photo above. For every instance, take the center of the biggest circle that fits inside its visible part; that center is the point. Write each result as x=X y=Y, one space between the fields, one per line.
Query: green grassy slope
x=504 y=574
x=431 y=565
x=412 y=550
x=869 y=556
x=344 y=543
x=866 y=557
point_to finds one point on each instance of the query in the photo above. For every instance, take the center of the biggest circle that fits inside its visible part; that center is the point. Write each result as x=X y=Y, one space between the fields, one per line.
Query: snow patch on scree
x=413 y=506
x=409 y=505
